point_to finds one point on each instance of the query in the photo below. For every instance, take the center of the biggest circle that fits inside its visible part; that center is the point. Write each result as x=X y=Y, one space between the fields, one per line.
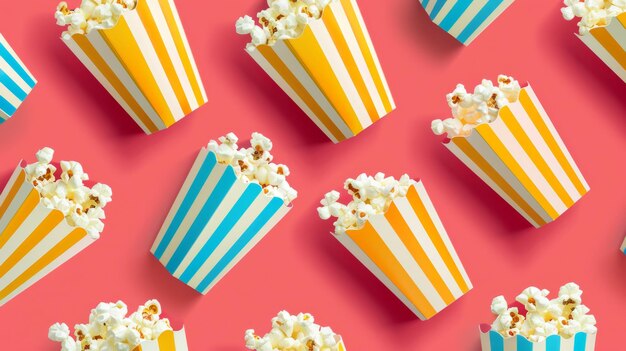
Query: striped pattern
x=521 y=156
x=493 y=341
x=34 y=240
x=609 y=43
x=215 y=220
x=167 y=341
x=145 y=63
x=332 y=72
x=464 y=19
x=16 y=82
x=623 y=248
x=408 y=250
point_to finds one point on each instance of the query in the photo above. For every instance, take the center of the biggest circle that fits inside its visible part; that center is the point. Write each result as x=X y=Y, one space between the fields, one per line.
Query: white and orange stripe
x=331 y=72
x=166 y=341
x=145 y=63
x=609 y=43
x=522 y=157
x=34 y=240
x=409 y=251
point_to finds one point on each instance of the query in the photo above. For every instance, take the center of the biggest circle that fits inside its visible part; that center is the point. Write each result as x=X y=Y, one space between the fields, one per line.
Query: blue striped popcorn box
x=494 y=341
x=16 y=82
x=609 y=44
x=331 y=72
x=34 y=239
x=216 y=219
x=464 y=19
x=145 y=63
x=623 y=248
x=166 y=341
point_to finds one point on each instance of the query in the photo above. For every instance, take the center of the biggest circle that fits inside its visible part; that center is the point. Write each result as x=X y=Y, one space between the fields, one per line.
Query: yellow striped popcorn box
x=167 y=341
x=408 y=250
x=145 y=63
x=464 y=19
x=331 y=72
x=16 y=82
x=609 y=43
x=521 y=156
x=34 y=240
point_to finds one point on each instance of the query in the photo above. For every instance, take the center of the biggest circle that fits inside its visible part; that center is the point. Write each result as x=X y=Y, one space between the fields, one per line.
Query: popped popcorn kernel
x=470 y=110
x=564 y=315
x=110 y=329
x=284 y=19
x=592 y=13
x=82 y=206
x=254 y=164
x=370 y=196
x=294 y=333
x=92 y=14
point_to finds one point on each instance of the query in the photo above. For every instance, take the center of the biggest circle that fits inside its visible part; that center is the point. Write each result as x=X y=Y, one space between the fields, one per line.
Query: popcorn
x=92 y=14
x=370 y=196
x=472 y=109
x=592 y=13
x=294 y=333
x=284 y=19
x=564 y=316
x=82 y=206
x=110 y=329
x=254 y=164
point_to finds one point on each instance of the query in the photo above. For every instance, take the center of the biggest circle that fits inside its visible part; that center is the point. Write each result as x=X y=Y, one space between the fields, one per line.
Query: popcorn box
x=215 y=220
x=623 y=248
x=167 y=341
x=464 y=19
x=34 y=240
x=16 y=82
x=521 y=156
x=409 y=251
x=493 y=341
x=331 y=72
x=609 y=43
x=145 y=63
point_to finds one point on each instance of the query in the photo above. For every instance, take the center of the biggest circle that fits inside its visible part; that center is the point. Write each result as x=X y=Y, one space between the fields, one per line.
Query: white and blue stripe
x=493 y=341
x=16 y=82
x=464 y=19
x=623 y=248
x=215 y=220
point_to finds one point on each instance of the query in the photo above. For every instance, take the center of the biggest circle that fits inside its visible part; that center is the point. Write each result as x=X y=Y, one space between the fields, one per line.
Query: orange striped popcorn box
x=16 y=82
x=167 y=341
x=145 y=63
x=521 y=156
x=331 y=72
x=34 y=239
x=609 y=43
x=464 y=19
x=408 y=250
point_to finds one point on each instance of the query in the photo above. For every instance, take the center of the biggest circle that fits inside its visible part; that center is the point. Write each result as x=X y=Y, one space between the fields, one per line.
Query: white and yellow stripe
x=409 y=251
x=167 y=341
x=34 y=240
x=522 y=157
x=16 y=82
x=332 y=72
x=145 y=63
x=609 y=43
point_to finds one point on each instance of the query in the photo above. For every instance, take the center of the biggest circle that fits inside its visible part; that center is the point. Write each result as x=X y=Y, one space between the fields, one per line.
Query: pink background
x=299 y=266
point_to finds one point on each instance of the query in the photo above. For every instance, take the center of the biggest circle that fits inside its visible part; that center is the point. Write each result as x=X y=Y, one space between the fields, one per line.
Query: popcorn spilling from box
x=284 y=19
x=254 y=164
x=82 y=206
x=110 y=329
x=472 y=109
x=592 y=13
x=564 y=316
x=92 y=14
x=294 y=333
x=370 y=196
